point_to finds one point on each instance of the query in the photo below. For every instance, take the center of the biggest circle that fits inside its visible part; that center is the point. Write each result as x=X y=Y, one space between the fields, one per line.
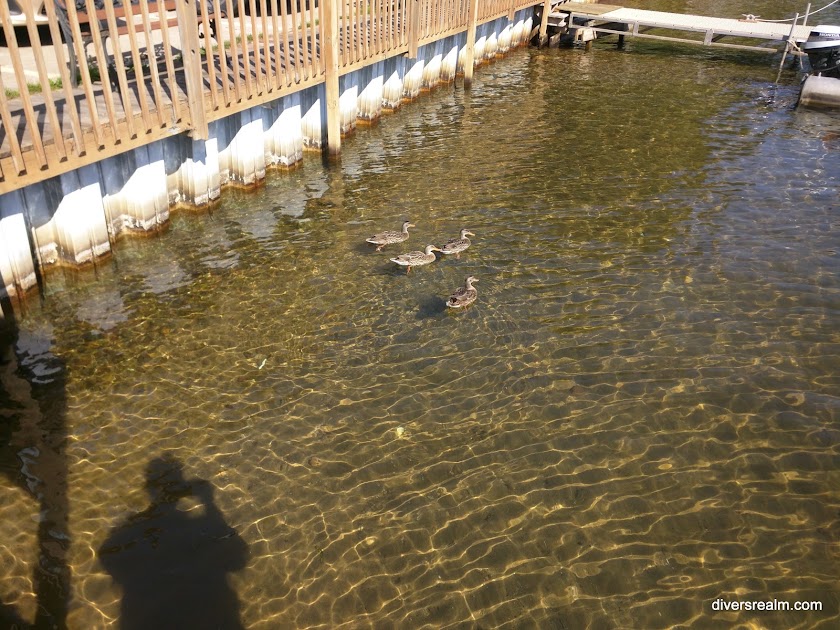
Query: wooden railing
x=442 y=17
x=139 y=81
x=493 y=8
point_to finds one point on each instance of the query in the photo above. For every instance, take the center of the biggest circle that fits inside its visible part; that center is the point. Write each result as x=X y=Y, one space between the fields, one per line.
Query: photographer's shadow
x=171 y=561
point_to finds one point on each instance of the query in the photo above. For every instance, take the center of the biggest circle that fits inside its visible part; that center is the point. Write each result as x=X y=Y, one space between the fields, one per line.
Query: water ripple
x=638 y=415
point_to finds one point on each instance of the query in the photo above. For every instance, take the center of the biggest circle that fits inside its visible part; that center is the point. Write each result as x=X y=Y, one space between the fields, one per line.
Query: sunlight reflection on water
x=638 y=415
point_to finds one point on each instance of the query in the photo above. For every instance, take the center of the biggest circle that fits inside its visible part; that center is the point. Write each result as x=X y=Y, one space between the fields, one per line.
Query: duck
x=457 y=245
x=390 y=237
x=465 y=295
x=415 y=259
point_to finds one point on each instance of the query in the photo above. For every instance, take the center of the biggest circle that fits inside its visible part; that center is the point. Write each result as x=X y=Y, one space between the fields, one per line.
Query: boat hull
x=820 y=92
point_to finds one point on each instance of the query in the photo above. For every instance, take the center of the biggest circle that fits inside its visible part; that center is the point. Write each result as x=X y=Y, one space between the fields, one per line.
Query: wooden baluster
x=28 y=110
x=188 y=27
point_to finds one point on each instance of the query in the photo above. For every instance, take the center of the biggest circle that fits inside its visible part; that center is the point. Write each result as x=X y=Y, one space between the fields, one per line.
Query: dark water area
x=257 y=419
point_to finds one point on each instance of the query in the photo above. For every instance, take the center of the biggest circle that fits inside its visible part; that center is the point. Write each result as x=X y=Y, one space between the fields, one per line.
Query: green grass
x=94 y=74
x=226 y=43
x=55 y=84
x=34 y=88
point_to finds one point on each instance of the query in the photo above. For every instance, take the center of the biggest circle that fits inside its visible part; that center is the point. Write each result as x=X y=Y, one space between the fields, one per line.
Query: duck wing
x=408 y=259
x=384 y=237
x=462 y=297
x=456 y=245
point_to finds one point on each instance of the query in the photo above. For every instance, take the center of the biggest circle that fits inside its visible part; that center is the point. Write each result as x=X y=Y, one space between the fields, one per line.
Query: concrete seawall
x=75 y=218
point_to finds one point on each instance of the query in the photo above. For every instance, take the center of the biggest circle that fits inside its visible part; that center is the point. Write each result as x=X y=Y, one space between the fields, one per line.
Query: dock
x=754 y=33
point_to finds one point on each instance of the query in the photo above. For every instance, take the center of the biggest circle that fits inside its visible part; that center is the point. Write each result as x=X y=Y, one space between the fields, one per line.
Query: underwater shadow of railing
x=33 y=438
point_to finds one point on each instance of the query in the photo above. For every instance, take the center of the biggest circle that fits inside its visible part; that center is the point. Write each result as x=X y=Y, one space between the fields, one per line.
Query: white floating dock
x=604 y=18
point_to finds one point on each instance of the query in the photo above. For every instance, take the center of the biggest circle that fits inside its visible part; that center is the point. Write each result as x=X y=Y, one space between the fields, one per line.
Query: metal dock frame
x=615 y=20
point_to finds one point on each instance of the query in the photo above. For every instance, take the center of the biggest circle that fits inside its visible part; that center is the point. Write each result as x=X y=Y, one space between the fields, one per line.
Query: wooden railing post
x=413 y=28
x=469 y=52
x=188 y=29
x=787 y=47
x=329 y=33
x=804 y=23
x=544 y=23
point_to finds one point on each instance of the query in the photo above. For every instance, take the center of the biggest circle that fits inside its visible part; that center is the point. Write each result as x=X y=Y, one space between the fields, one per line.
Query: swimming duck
x=415 y=259
x=457 y=245
x=465 y=295
x=390 y=237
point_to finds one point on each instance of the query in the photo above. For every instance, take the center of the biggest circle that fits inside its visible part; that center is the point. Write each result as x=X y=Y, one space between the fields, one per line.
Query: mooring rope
x=755 y=17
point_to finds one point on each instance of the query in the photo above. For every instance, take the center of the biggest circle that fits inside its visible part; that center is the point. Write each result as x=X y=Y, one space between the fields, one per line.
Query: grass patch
x=34 y=88
x=94 y=74
x=238 y=39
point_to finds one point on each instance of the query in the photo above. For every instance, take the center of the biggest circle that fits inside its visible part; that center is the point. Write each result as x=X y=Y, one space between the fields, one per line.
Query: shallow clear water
x=638 y=416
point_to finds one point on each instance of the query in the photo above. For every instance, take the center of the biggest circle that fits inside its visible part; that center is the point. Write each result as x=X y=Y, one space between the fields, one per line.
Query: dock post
x=787 y=47
x=331 y=76
x=188 y=25
x=544 y=23
x=804 y=23
x=469 y=51
x=413 y=28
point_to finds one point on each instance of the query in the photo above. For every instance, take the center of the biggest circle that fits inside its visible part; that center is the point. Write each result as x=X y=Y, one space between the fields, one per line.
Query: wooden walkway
x=164 y=81
x=604 y=18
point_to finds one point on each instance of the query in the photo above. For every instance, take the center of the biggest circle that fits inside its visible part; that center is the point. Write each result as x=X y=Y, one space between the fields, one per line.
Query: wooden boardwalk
x=604 y=18
x=164 y=81
x=302 y=72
